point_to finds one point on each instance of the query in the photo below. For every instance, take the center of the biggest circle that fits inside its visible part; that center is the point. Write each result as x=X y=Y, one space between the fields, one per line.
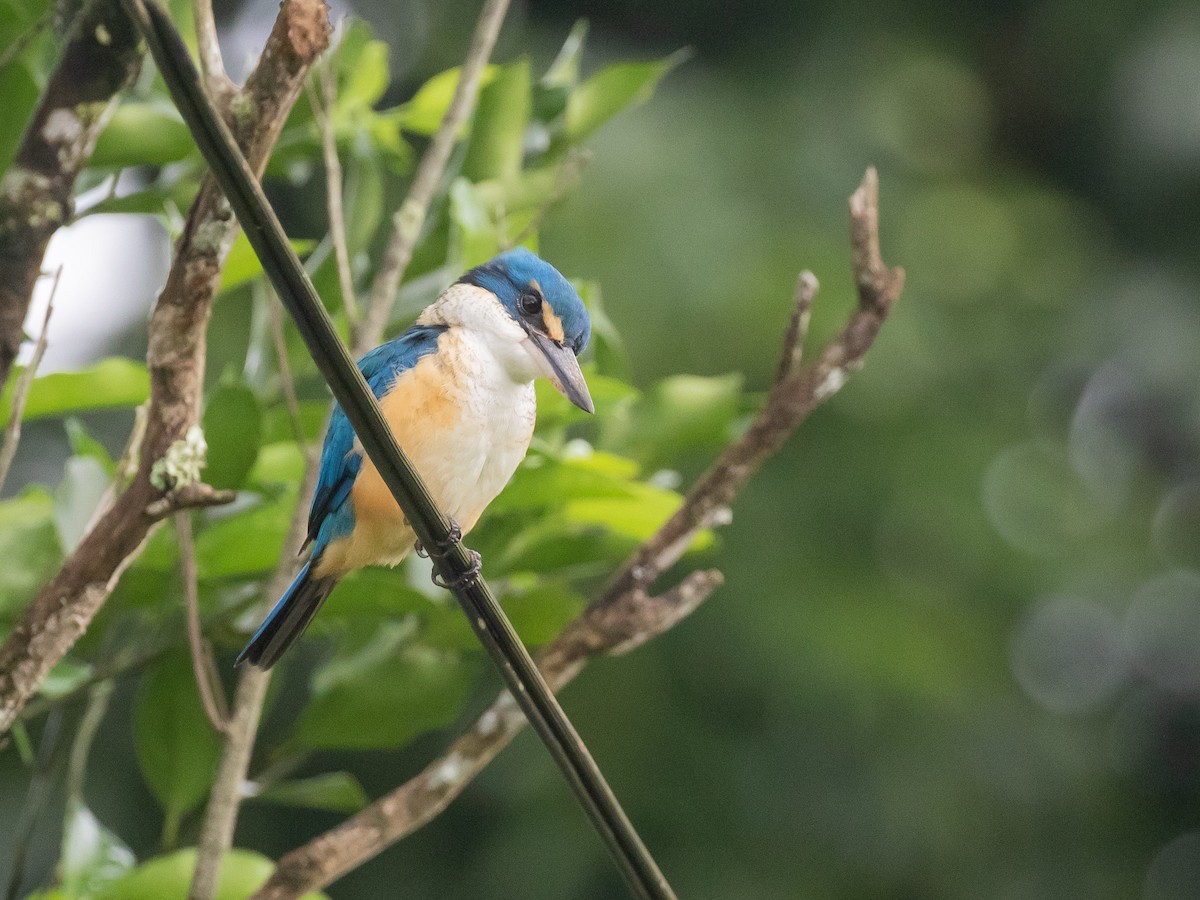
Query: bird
x=457 y=391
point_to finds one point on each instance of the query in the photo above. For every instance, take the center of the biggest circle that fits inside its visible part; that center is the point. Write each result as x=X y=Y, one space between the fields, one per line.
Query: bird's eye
x=530 y=303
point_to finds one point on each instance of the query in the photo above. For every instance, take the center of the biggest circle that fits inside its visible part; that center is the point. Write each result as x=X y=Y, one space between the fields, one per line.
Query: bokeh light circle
x=1067 y=654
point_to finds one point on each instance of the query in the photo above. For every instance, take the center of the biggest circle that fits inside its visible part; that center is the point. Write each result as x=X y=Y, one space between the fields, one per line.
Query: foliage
x=387 y=662
x=955 y=652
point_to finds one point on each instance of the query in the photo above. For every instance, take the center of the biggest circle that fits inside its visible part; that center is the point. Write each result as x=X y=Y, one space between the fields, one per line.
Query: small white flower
x=181 y=464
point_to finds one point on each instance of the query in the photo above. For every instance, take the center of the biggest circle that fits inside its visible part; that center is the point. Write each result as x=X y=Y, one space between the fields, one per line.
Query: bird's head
x=553 y=321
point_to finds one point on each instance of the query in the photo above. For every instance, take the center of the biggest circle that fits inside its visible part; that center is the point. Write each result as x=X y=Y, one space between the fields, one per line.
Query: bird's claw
x=453 y=536
x=465 y=579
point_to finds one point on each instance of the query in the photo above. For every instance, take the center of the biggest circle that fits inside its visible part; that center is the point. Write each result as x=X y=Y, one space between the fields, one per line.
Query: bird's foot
x=465 y=579
x=453 y=536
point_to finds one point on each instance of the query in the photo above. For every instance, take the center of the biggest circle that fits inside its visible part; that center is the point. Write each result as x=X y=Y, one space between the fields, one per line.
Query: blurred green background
x=957 y=653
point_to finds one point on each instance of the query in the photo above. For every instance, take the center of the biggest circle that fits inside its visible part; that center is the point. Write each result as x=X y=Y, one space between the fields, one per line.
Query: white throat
x=486 y=327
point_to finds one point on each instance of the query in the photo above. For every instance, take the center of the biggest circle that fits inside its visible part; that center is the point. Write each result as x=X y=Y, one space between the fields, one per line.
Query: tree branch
x=209 y=48
x=64 y=607
x=322 y=97
x=101 y=57
x=625 y=616
x=212 y=698
x=410 y=217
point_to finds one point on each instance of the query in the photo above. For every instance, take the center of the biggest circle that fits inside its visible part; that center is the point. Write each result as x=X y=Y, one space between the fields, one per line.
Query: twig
x=322 y=106
x=216 y=835
x=49 y=759
x=410 y=217
x=125 y=663
x=624 y=615
x=209 y=49
x=286 y=380
x=64 y=607
x=27 y=37
x=212 y=698
x=797 y=331
x=12 y=434
x=100 y=58
x=81 y=747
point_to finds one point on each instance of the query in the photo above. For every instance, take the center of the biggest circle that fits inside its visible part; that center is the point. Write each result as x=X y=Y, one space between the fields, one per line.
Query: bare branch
x=12 y=434
x=322 y=107
x=212 y=698
x=211 y=64
x=797 y=332
x=410 y=217
x=100 y=58
x=216 y=836
x=624 y=616
x=64 y=607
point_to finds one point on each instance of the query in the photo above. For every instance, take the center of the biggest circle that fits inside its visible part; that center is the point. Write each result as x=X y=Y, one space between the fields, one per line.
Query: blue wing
x=331 y=517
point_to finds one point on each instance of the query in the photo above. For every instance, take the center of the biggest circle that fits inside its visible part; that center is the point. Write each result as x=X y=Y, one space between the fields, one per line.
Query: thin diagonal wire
x=358 y=403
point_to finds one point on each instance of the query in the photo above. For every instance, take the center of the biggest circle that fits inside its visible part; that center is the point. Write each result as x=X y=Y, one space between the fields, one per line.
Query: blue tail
x=288 y=619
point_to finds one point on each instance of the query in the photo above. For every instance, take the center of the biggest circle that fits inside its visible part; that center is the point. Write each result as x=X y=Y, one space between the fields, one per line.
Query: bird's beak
x=558 y=363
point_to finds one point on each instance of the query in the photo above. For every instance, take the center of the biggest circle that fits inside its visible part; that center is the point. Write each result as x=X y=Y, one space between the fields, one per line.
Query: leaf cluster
x=390 y=658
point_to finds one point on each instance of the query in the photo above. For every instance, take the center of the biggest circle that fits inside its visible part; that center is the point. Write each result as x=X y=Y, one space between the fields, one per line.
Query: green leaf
x=387 y=703
x=242 y=264
x=233 y=430
x=543 y=482
x=638 y=516
x=168 y=877
x=609 y=395
x=364 y=189
x=680 y=414
x=156 y=200
x=423 y=113
x=277 y=421
x=82 y=487
x=474 y=238
x=17 y=17
x=606 y=344
x=564 y=71
x=496 y=147
x=83 y=444
x=613 y=89
x=366 y=76
x=550 y=545
x=29 y=544
x=333 y=791
x=247 y=543
x=92 y=856
x=278 y=463
x=112 y=382
x=142 y=134
x=65 y=677
x=177 y=748
x=374 y=592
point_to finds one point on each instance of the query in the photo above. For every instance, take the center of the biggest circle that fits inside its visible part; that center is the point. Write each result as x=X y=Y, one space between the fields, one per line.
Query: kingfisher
x=457 y=391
